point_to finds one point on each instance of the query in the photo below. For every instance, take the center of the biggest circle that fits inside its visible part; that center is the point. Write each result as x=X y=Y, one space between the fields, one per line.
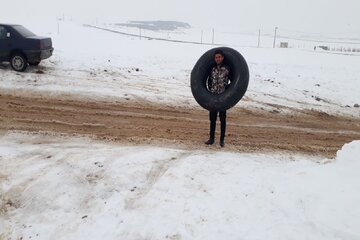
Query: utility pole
x=259 y=38
x=275 y=37
x=140 y=32
x=213 y=36
x=202 y=32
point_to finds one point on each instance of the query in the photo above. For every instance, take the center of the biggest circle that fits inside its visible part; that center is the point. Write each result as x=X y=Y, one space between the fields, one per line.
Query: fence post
x=275 y=37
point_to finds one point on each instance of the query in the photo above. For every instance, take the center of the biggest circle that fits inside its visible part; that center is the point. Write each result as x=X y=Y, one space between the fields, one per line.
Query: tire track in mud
x=130 y=122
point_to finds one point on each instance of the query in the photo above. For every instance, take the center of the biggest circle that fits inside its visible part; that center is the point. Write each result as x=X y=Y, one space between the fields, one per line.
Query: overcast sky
x=327 y=16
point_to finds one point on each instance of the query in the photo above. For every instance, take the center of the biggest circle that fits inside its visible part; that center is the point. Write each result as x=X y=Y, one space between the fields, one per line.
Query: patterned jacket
x=219 y=79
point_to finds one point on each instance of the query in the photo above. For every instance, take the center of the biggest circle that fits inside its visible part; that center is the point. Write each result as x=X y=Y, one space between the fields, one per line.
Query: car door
x=4 y=42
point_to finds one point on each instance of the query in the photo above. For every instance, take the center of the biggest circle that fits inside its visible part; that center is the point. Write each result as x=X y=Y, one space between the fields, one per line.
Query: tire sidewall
x=234 y=92
x=18 y=62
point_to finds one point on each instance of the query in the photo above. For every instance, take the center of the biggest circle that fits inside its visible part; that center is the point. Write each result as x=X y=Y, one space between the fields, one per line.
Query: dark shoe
x=222 y=143
x=210 y=142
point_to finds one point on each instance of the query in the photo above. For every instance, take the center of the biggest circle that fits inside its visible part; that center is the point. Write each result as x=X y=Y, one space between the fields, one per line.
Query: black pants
x=213 y=117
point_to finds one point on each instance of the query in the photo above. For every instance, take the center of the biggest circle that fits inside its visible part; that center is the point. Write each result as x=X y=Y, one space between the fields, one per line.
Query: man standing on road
x=217 y=83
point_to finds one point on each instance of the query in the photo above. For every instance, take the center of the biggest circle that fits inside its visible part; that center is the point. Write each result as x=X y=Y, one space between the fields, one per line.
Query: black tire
x=235 y=91
x=18 y=62
x=34 y=63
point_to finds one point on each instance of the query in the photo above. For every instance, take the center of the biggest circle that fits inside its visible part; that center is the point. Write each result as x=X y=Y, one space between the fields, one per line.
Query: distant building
x=326 y=48
x=284 y=45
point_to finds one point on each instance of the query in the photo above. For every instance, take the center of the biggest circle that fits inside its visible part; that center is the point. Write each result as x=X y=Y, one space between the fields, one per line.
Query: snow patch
x=86 y=189
x=350 y=154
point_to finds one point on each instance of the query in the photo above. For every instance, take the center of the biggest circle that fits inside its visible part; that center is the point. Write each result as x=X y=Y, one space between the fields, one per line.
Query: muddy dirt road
x=128 y=122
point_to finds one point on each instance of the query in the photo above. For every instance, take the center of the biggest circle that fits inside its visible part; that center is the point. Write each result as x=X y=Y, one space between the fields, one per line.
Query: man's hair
x=219 y=51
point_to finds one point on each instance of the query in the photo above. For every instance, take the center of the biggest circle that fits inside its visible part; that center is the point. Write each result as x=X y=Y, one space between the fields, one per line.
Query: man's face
x=219 y=58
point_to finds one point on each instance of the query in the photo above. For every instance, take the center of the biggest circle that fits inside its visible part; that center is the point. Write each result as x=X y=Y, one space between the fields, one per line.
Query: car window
x=23 y=31
x=2 y=32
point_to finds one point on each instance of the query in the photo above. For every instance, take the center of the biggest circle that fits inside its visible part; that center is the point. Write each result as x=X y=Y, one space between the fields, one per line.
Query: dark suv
x=22 y=47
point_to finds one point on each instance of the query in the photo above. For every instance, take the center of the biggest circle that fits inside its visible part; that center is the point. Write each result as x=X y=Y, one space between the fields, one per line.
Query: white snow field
x=64 y=188
x=60 y=187
x=88 y=62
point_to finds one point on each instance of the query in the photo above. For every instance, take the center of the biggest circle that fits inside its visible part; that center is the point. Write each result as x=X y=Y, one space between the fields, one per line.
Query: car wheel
x=239 y=72
x=34 y=63
x=18 y=62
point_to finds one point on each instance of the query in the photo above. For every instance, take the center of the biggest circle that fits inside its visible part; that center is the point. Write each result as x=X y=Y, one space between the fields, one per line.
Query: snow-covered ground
x=55 y=187
x=63 y=188
x=93 y=63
